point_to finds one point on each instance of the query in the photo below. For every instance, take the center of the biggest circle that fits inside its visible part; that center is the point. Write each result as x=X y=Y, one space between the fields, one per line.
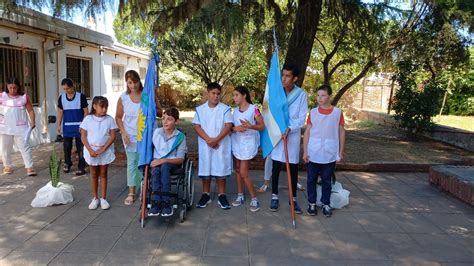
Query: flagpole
x=288 y=173
x=144 y=200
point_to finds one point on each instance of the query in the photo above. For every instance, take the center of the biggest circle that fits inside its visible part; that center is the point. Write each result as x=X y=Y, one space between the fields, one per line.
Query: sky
x=104 y=22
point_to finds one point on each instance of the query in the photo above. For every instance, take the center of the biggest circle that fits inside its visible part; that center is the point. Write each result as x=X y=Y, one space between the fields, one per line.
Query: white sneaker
x=104 y=204
x=94 y=204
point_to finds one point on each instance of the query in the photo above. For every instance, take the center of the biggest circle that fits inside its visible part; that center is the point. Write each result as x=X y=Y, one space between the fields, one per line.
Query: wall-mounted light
x=128 y=59
x=138 y=60
x=80 y=47
x=56 y=42
x=116 y=56
x=18 y=33
x=101 y=49
x=6 y=40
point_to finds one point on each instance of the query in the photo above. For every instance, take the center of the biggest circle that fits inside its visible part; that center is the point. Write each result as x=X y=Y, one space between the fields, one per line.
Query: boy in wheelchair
x=168 y=154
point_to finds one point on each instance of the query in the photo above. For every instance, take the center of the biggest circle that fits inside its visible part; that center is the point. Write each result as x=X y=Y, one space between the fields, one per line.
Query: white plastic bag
x=339 y=196
x=49 y=195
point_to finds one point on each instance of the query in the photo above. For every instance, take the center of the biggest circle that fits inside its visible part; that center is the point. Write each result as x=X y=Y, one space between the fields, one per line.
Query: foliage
x=415 y=104
x=54 y=168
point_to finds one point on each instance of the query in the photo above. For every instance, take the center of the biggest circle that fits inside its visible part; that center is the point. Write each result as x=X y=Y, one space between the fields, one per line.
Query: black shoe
x=327 y=211
x=167 y=209
x=204 y=201
x=312 y=210
x=155 y=209
x=66 y=168
x=297 y=207
x=274 y=205
x=222 y=200
x=81 y=172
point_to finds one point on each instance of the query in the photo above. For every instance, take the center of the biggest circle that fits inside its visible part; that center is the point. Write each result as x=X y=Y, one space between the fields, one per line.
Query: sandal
x=263 y=188
x=7 y=170
x=31 y=172
x=130 y=199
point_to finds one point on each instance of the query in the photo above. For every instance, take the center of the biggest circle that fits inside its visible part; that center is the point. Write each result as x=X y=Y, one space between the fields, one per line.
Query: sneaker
x=155 y=209
x=104 y=204
x=222 y=200
x=80 y=172
x=238 y=201
x=297 y=207
x=66 y=168
x=204 y=201
x=94 y=204
x=167 y=210
x=312 y=210
x=327 y=211
x=274 y=205
x=254 y=205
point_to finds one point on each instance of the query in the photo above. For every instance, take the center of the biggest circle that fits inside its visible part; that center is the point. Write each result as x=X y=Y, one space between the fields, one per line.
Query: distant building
x=41 y=50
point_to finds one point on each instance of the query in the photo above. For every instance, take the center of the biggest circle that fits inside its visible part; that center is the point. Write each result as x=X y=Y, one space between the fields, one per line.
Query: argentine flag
x=147 y=114
x=275 y=108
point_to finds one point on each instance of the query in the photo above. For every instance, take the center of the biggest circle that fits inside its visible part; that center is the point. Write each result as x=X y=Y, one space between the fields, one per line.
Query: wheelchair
x=181 y=193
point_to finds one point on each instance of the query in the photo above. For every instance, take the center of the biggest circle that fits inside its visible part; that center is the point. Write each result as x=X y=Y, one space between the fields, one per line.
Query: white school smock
x=98 y=133
x=297 y=111
x=130 y=121
x=13 y=116
x=214 y=162
x=323 y=145
x=245 y=144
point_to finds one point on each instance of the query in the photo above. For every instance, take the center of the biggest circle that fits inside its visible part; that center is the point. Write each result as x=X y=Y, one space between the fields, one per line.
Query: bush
x=414 y=105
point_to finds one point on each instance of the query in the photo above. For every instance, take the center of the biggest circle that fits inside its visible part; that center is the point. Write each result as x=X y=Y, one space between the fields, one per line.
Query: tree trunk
x=346 y=87
x=302 y=36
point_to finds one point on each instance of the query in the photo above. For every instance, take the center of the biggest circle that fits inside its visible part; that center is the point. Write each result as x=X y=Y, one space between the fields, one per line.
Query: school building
x=41 y=50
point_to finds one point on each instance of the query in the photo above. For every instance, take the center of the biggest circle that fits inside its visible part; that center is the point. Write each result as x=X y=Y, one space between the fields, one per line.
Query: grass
x=462 y=122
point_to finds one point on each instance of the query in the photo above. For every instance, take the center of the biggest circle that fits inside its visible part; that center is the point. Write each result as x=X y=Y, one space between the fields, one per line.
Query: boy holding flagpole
x=297 y=110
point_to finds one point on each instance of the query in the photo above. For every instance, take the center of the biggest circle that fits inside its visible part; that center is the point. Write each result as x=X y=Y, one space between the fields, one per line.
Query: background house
x=41 y=50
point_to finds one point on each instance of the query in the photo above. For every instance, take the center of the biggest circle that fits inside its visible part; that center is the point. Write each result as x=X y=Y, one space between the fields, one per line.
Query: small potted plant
x=55 y=192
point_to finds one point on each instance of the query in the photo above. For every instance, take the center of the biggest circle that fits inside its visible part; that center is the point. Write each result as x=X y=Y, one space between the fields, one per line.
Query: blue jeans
x=325 y=171
x=160 y=180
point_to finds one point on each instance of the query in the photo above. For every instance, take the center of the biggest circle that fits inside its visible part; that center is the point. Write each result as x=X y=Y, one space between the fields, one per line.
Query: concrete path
x=392 y=219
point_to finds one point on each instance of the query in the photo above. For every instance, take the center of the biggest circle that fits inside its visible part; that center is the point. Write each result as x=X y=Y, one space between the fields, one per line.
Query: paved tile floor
x=392 y=219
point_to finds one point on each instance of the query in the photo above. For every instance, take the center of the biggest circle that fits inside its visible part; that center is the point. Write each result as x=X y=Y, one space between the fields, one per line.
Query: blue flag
x=275 y=108
x=147 y=114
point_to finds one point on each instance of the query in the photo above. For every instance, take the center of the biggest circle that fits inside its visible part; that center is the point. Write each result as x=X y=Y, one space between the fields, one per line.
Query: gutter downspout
x=45 y=116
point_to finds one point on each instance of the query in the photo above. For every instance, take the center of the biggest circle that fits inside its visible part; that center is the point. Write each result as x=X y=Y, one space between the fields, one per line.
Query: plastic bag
x=49 y=195
x=339 y=196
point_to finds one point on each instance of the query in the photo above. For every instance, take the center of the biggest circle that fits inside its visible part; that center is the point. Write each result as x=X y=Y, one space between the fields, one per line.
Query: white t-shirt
x=98 y=133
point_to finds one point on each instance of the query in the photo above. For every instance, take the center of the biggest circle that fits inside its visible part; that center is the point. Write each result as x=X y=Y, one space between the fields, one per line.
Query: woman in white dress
x=98 y=135
x=245 y=141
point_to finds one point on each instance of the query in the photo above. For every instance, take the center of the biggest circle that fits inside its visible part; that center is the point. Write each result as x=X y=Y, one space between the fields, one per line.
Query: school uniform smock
x=98 y=133
x=297 y=109
x=130 y=121
x=245 y=144
x=214 y=162
x=13 y=115
x=323 y=144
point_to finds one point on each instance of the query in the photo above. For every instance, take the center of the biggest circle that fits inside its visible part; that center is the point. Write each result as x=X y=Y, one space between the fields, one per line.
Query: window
x=118 y=73
x=20 y=63
x=79 y=70
x=142 y=74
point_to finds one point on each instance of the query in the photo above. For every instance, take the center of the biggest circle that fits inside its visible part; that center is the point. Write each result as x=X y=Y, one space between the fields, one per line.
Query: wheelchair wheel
x=189 y=184
x=182 y=213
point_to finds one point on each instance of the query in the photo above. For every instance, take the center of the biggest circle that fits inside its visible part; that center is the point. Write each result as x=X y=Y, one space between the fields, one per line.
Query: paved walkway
x=392 y=219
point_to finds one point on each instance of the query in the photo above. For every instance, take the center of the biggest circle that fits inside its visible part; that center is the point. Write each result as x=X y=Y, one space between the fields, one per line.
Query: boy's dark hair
x=15 y=81
x=326 y=88
x=214 y=85
x=172 y=111
x=67 y=82
x=293 y=68
x=100 y=101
